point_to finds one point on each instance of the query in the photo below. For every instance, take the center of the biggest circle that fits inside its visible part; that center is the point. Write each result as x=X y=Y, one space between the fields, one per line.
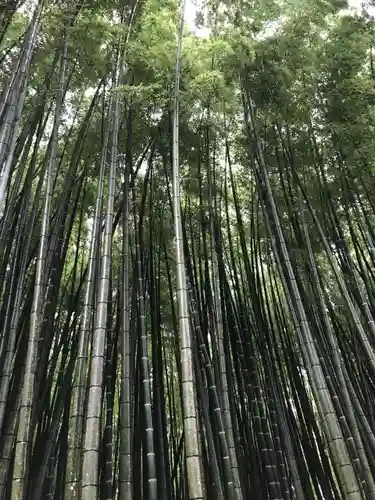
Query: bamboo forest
x=187 y=249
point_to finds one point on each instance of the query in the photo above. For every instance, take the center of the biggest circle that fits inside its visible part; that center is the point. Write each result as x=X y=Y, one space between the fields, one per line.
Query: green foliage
x=15 y=30
x=207 y=85
x=139 y=94
x=307 y=69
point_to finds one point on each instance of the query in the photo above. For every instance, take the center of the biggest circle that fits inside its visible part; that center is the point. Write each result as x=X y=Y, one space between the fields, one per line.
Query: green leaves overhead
x=207 y=85
x=276 y=233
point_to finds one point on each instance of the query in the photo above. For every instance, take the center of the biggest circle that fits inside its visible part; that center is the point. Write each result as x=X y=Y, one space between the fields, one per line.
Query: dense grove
x=187 y=250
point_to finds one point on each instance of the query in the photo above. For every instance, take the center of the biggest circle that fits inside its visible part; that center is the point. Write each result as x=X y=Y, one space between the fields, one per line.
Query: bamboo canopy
x=187 y=256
